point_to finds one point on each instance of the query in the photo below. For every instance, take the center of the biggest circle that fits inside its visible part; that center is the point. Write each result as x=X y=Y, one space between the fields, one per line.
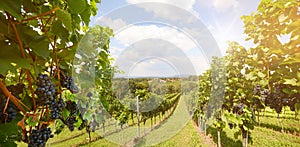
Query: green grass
x=188 y=136
x=290 y=125
x=169 y=127
x=268 y=133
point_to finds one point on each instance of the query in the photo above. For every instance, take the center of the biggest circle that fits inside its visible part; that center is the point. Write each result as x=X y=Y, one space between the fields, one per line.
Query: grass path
x=169 y=127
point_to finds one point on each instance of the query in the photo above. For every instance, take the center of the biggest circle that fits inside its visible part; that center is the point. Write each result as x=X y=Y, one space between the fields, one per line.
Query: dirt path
x=207 y=140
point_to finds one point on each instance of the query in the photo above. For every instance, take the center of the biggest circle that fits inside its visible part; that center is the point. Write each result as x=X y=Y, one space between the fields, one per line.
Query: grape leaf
x=38 y=43
x=9 y=54
x=77 y=6
x=12 y=7
x=29 y=6
x=65 y=113
x=10 y=132
x=60 y=31
x=65 y=17
x=85 y=16
x=292 y=82
x=40 y=46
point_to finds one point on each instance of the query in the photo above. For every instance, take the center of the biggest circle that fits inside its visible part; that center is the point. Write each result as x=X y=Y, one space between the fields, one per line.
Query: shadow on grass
x=225 y=140
x=278 y=128
x=139 y=142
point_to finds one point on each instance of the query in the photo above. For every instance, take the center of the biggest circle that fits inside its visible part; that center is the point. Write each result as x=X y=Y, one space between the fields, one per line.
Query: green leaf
x=65 y=113
x=261 y=75
x=236 y=134
x=60 y=31
x=263 y=82
x=29 y=6
x=250 y=76
x=78 y=123
x=85 y=16
x=23 y=63
x=87 y=115
x=9 y=54
x=65 y=17
x=10 y=132
x=13 y=7
x=38 y=43
x=292 y=82
x=3 y=24
x=77 y=6
x=30 y=121
x=40 y=46
x=287 y=91
x=6 y=66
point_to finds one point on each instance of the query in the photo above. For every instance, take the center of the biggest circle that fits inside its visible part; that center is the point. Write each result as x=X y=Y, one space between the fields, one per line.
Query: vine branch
x=40 y=15
x=11 y=97
x=27 y=71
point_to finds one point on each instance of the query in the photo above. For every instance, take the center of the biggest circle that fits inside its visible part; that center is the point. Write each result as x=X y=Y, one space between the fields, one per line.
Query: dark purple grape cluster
x=275 y=98
x=264 y=94
x=295 y=99
x=257 y=89
x=47 y=96
x=71 y=119
x=68 y=82
x=38 y=138
x=238 y=109
x=278 y=98
x=11 y=111
x=56 y=108
x=46 y=90
x=259 y=96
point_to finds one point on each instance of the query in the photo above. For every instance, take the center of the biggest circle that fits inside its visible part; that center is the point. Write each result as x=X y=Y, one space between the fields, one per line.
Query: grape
x=68 y=82
x=47 y=96
x=256 y=89
x=38 y=138
x=257 y=102
x=238 y=108
x=89 y=94
x=71 y=119
x=11 y=111
x=46 y=90
x=293 y=101
x=264 y=94
x=56 y=107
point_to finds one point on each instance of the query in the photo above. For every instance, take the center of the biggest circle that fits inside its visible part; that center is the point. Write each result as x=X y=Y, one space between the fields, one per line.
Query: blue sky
x=163 y=24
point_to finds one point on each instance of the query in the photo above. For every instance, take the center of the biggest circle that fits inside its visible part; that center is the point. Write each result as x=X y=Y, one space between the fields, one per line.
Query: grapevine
x=39 y=41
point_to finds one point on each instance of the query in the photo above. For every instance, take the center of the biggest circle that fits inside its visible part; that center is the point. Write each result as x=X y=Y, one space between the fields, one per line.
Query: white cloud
x=147 y=42
x=225 y=5
x=159 y=58
x=165 y=11
x=185 y=4
x=220 y=5
x=114 y=24
x=115 y=51
x=135 y=33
